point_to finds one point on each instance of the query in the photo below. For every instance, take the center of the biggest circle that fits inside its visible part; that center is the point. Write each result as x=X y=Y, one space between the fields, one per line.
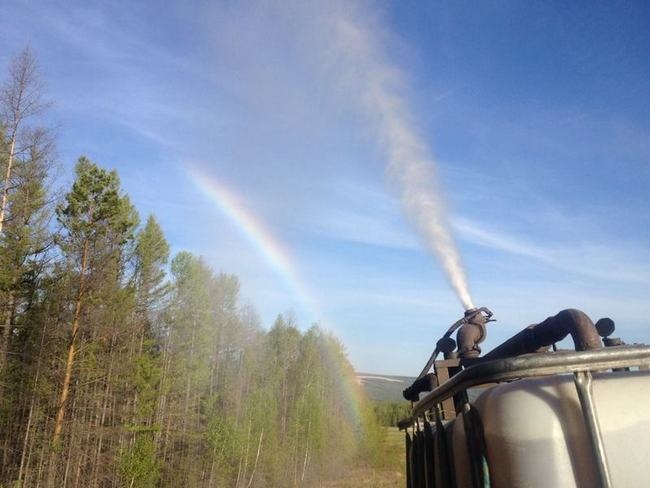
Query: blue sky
x=537 y=116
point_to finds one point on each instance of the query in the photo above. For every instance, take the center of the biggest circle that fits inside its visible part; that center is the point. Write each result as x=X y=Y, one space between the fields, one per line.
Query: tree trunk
x=41 y=465
x=5 y=188
x=305 y=464
x=102 y=419
x=257 y=457
x=23 y=455
x=9 y=315
x=248 y=438
x=65 y=387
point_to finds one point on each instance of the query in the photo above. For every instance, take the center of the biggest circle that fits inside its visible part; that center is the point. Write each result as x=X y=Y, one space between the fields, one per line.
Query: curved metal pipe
x=552 y=330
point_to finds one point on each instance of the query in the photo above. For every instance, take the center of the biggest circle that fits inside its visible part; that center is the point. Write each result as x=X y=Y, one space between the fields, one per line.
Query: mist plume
x=377 y=86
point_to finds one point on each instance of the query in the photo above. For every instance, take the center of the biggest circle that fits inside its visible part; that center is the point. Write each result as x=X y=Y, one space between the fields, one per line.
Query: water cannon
x=471 y=331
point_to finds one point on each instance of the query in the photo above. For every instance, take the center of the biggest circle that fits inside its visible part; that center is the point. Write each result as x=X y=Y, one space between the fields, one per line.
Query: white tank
x=535 y=433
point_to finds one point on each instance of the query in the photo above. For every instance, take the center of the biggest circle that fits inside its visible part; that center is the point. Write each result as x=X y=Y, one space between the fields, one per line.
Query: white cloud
x=620 y=263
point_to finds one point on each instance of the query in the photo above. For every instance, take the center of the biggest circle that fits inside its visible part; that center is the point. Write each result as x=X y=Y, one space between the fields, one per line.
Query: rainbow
x=279 y=259
x=355 y=401
x=261 y=239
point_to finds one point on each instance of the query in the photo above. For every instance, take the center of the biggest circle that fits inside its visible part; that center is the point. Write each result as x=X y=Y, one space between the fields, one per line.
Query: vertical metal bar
x=448 y=410
x=475 y=444
x=583 y=382
x=445 y=469
x=473 y=455
x=407 y=464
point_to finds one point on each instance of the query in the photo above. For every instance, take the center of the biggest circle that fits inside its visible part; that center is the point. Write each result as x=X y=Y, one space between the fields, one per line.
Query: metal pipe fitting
x=471 y=334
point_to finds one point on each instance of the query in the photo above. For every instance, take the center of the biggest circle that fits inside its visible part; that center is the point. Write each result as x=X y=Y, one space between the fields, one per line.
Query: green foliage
x=25 y=236
x=139 y=464
x=146 y=383
x=152 y=254
x=95 y=209
x=389 y=413
x=224 y=441
x=174 y=382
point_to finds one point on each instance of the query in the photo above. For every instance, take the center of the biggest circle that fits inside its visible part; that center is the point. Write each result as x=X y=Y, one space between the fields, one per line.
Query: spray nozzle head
x=480 y=314
x=471 y=311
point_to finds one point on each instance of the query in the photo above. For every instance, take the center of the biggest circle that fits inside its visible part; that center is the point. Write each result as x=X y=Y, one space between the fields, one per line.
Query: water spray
x=375 y=84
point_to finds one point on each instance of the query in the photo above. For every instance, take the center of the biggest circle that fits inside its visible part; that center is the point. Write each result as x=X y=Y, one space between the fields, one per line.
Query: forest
x=124 y=366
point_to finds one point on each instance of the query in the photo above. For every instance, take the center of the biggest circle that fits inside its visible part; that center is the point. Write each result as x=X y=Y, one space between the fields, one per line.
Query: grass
x=388 y=474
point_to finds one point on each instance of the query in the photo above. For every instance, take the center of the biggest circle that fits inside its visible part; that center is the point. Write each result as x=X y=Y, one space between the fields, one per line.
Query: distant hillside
x=388 y=388
x=384 y=387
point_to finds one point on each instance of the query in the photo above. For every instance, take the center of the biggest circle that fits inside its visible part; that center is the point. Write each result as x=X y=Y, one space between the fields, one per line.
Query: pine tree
x=97 y=221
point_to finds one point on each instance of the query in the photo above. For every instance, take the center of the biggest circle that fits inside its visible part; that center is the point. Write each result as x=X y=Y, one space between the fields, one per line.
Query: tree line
x=389 y=413
x=122 y=366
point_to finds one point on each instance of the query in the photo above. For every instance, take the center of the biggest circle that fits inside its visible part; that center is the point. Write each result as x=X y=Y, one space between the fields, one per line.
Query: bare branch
x=22 y=94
